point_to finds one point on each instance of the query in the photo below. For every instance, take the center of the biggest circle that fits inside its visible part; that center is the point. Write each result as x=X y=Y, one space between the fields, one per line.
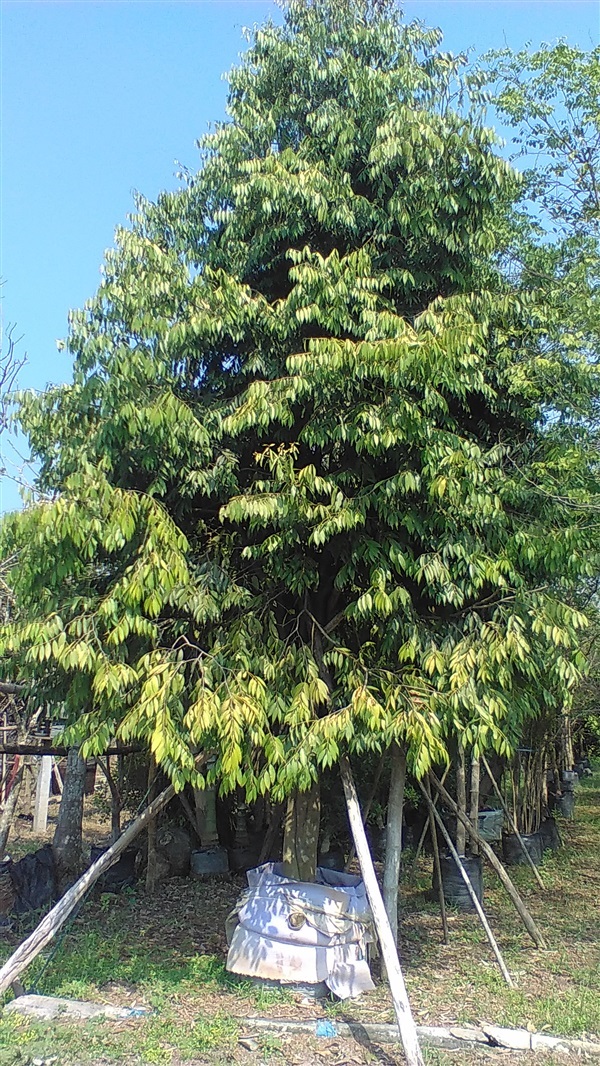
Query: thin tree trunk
x=115 y=799
x=67 y=843
x=301 y=834
x=393 y=836
x=151 y=868
x=512 y=822
x=10 y=807
x=475 y=779
x=273 y=828
x=436 y=859
x=461 y=800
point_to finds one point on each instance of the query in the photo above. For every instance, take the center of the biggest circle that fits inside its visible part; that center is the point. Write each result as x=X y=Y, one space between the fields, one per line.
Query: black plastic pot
x=565 y=804
x=550 y=835
x=456 y=892
x=513 y=852
x=121 y=874
x=569 y=780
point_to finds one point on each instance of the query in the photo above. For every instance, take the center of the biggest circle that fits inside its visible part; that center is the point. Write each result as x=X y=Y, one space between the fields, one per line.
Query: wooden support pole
x=49 y=926
x=42 y=795
x=486 y=850
x=436 y=858
x=59 y=750
x=406 y=1024
x=463 y=873
x=512 y=822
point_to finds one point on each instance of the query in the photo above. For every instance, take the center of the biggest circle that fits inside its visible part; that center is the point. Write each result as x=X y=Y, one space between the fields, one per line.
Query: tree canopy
x=295 y=482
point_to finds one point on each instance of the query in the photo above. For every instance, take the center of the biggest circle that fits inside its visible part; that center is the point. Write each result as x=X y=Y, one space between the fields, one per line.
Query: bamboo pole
x=436 y=858
x=49 y=926
x=463 y=873
x=406 y=1025
x=520 y=907
x=512 y=821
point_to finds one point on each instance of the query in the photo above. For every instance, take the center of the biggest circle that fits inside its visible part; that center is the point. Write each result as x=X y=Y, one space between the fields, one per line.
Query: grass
x=166 y=954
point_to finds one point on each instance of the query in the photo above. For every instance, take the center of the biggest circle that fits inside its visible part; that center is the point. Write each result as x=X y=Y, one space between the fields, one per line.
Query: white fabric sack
x=295 y=932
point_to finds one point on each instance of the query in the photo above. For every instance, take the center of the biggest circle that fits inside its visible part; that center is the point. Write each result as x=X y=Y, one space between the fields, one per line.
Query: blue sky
x=99 y=99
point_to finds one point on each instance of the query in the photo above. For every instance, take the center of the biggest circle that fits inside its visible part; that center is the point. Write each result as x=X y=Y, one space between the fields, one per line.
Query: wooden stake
x=520 y=907
x=470 y=889
x=49 y=926
x=512 y=822
x=406 y=1025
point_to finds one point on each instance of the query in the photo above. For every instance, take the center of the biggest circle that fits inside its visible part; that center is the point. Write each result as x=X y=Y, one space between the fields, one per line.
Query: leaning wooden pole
x=495 y=863
x=512 y=821
x=470 y=889
x=49 y=926
x=406 y=1024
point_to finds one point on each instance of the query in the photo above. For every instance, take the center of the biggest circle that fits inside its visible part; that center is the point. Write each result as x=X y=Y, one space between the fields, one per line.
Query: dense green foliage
x=303 y=483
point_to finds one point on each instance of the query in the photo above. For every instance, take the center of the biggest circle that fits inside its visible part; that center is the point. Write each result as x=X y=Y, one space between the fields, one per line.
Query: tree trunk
x=301 y=834
x=10 y=807
x=151 y=865
x=67 y=843
x=115 y=799
x=461 y=800
x=475 y=780
x=393 y=836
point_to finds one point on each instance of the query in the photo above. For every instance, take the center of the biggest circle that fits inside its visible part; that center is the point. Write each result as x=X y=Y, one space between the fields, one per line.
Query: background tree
x=296 y=474
x=551 y=99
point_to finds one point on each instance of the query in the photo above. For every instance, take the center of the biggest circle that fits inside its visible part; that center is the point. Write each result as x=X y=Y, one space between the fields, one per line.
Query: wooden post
x=512 y=822
x=42 y=794
x=49 y=926
x=463 y=873
x=520 y=907
x=406 y=1024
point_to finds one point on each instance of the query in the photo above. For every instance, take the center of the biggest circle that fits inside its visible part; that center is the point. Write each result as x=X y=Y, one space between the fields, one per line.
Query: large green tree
x=296 y=476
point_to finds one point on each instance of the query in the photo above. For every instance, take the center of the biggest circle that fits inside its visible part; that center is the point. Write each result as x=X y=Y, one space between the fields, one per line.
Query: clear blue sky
x=99 y=99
